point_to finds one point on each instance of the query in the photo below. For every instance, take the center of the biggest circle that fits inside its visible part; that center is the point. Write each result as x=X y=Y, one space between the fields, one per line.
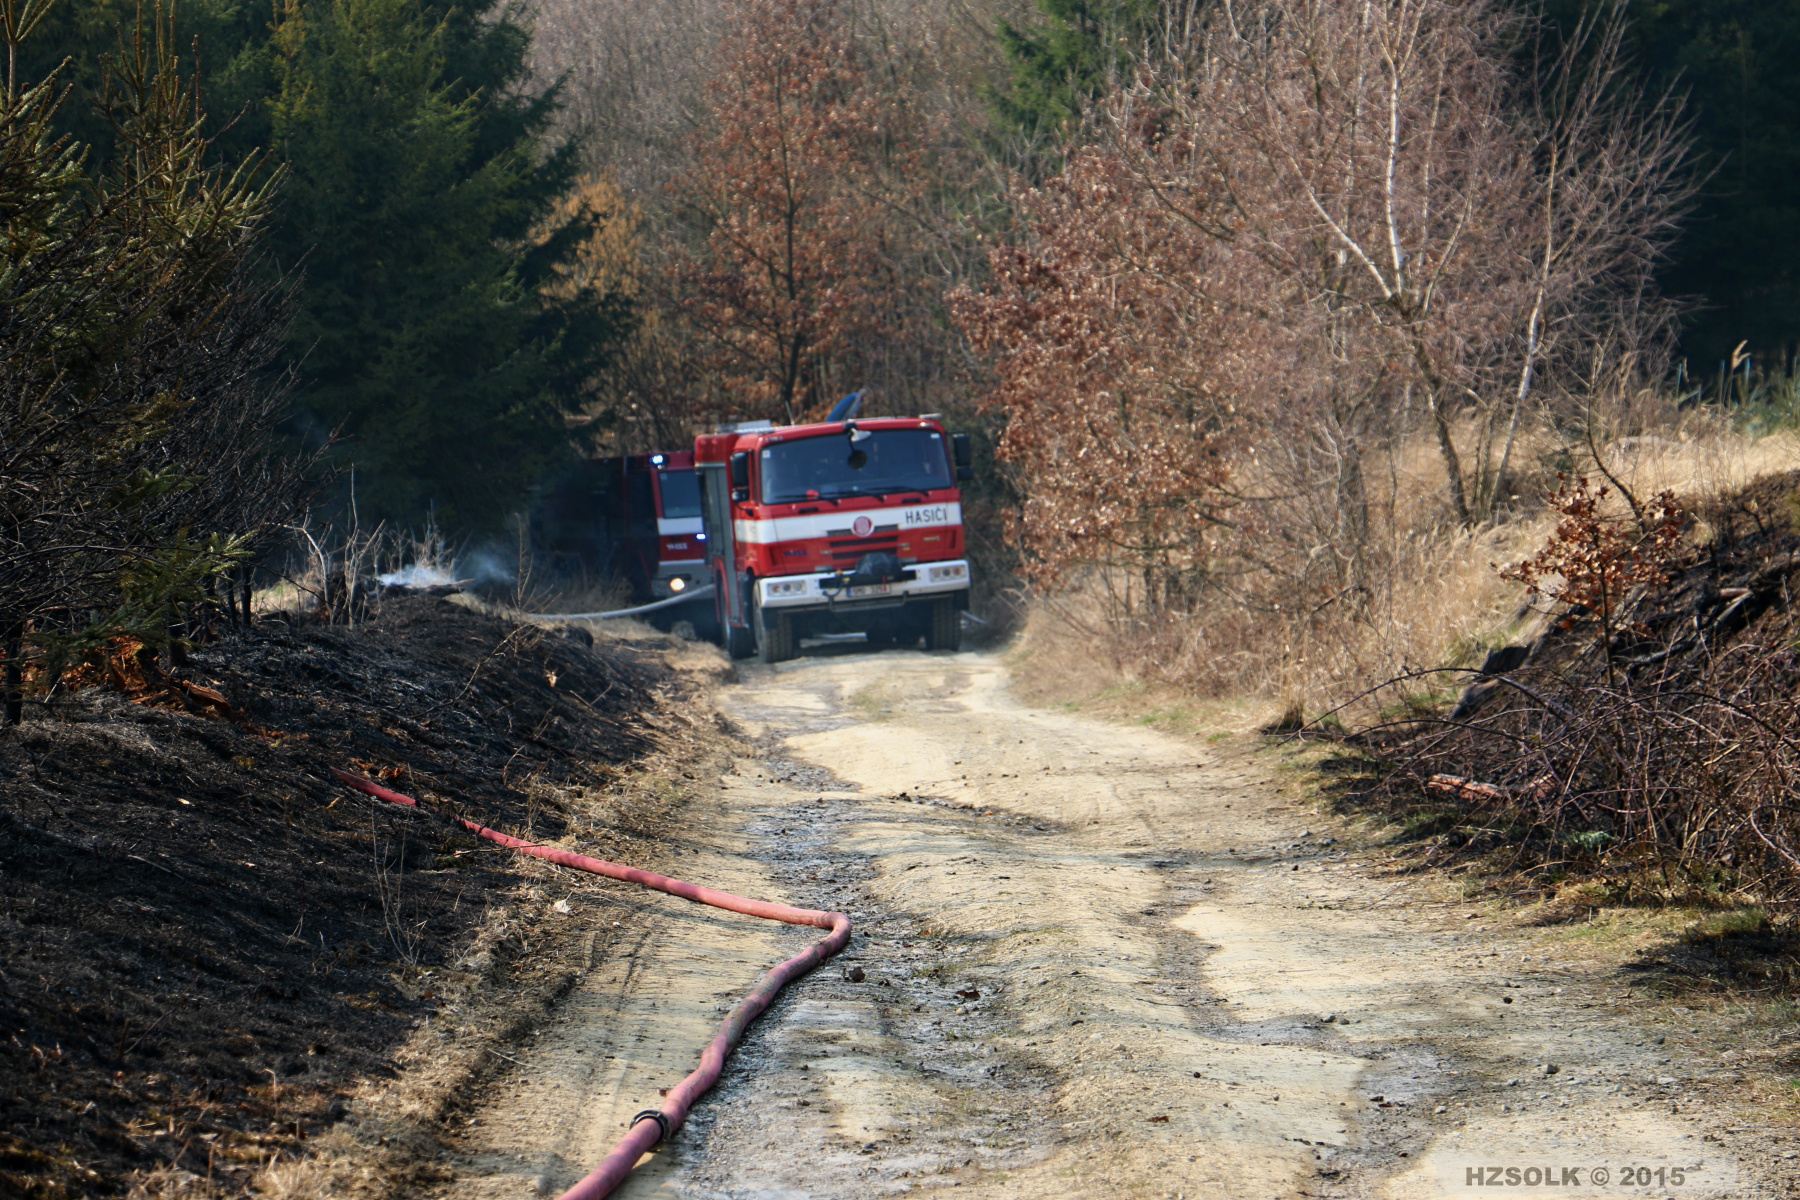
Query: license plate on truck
x=872 y=589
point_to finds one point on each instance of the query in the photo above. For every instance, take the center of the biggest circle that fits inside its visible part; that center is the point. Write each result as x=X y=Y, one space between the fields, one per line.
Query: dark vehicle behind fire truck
x=634 y=518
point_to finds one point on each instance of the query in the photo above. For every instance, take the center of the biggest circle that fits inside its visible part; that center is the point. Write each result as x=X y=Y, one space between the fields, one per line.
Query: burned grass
x=208 y=942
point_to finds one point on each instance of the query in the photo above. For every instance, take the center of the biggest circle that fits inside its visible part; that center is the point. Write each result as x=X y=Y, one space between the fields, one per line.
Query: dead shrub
x=1647 y=730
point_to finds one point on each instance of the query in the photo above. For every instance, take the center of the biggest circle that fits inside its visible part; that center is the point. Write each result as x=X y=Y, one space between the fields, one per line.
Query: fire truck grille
x=845 y=552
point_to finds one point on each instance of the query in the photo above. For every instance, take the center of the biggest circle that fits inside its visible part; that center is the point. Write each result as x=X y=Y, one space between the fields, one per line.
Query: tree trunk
x=1353 y=513
x=1453 y=475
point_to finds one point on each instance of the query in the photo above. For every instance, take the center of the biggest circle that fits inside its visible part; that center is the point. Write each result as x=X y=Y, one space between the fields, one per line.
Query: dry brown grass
x=1246 y=658
x=1704 y=459
x=1442 y=599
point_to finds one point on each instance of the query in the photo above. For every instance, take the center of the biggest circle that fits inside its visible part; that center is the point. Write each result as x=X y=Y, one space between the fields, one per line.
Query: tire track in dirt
x=1092 y=960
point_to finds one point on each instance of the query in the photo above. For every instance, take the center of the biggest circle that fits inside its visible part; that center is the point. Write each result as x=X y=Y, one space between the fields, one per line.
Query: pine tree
x=415 y=185
x=417 y=210
x=1062 y=61
x=136 y=410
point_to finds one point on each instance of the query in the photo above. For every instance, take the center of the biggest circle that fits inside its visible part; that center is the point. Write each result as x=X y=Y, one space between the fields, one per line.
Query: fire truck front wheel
x=774 y=635
x=739 y=642
x=944 y=630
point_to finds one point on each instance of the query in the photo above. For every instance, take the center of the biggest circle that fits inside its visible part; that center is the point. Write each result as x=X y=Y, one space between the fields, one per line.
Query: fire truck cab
x=671 y=558
x=849 y=526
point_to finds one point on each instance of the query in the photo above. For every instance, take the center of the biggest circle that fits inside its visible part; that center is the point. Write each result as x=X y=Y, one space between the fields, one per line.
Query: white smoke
x=419 y=575
x=484 y=567
x=434 y=565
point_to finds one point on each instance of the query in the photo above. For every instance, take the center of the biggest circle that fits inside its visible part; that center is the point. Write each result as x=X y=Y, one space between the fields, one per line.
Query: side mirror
x=740 y=475
x=963 y=455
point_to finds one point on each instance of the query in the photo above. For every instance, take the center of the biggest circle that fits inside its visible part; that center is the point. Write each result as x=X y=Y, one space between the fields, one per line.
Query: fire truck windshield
x=680 y=494
x=886 y=460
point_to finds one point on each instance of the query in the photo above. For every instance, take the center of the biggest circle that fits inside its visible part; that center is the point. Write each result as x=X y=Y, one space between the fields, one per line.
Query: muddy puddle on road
x=1094 y=961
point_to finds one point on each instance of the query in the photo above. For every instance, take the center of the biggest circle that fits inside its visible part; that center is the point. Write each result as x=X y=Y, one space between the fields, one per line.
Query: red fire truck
x=847 y=526
x=674 y=559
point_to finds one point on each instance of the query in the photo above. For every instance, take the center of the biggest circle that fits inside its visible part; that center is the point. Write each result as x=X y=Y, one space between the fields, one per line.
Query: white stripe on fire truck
x=838 y=524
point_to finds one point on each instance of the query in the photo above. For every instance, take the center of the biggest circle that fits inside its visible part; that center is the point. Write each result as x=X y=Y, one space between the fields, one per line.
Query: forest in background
x=1269 y=321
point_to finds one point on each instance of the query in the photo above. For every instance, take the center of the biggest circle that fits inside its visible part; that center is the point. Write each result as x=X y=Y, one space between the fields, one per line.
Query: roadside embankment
x=215 y=954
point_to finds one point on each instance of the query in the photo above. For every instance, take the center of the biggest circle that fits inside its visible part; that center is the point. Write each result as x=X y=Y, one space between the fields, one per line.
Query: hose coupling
x=662 y=1123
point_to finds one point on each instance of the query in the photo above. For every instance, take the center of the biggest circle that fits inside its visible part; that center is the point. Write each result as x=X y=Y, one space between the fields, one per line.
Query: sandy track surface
x=1096 y=961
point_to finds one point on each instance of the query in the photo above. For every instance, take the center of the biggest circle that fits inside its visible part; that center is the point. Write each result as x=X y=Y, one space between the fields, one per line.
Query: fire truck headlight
x=949 y=573
x=786 y=587
x=678 y=583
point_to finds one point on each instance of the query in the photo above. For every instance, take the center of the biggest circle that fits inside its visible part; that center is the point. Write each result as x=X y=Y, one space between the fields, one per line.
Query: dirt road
x=1096 y=961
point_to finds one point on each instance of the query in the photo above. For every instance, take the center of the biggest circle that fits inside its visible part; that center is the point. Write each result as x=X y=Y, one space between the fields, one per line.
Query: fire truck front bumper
x=918 y=581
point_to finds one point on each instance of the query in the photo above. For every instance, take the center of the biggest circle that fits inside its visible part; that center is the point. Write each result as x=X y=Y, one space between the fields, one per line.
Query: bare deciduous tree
x=1392 y=166
x=1306 y=231
x=799 y=170
x=1117 y=352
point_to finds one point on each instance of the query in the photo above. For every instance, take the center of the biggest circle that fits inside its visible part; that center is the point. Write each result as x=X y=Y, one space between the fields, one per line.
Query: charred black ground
x=206 y=938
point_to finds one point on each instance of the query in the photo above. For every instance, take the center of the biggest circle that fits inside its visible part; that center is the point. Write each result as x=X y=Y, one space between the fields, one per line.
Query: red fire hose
x=655 y=1125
